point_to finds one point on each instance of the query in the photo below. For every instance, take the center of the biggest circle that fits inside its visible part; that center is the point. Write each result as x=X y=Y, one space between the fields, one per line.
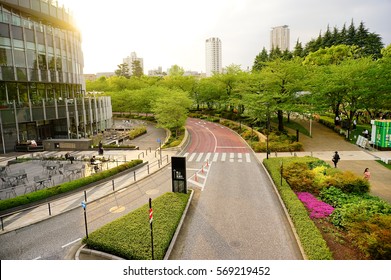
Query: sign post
x=178 y=167
x=84 y=205
x=150 y=224
x=160 y=149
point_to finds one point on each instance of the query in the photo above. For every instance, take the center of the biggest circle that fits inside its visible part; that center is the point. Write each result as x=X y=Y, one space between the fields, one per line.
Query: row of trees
x=338 y=79
x=367 y=43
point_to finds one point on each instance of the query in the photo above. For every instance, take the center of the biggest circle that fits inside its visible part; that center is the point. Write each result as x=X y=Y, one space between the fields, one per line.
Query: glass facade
x=41 y=80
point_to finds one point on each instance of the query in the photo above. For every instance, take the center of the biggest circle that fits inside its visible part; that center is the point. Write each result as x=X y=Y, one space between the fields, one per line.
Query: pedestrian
x=335 y=159
x=367 y=174
x=100 y=149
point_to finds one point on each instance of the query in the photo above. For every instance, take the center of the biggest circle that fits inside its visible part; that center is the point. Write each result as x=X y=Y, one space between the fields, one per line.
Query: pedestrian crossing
x=218 y=157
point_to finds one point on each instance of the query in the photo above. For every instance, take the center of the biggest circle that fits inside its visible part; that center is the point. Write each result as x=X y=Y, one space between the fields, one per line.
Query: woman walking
x=367 y=174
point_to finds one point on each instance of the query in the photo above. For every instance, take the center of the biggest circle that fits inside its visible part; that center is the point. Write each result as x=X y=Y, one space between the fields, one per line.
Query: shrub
x=299 y=177
x=373 y=237
x=311 y=239
x=129 y=236
x=360 y=211
x=348 y=182
x=137 y=131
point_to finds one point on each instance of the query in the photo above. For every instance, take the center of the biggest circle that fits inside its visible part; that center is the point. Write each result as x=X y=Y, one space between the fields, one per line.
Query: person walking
x=367 y=174
x=335 y=159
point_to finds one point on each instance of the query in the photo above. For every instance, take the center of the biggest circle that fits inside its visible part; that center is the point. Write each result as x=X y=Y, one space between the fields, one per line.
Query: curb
x=83 y=250
x=100 y=254
x=178 y=229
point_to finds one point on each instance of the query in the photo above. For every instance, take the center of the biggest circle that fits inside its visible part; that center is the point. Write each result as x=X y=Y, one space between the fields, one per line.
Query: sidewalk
x=99 y=190
x=325 y=142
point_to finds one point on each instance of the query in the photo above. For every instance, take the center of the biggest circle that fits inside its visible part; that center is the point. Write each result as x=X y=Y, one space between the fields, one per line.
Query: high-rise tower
x=279 y=37
x=213 y=56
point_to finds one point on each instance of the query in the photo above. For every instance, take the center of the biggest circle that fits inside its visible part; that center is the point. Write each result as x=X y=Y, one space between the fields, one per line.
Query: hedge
x=129 y=237
x=314 y=245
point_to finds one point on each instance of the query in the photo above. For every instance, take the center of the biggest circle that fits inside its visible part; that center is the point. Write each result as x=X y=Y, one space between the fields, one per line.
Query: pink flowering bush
x=318 y=208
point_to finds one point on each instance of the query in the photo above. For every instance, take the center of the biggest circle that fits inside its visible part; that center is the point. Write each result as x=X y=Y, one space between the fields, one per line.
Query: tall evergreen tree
x=260 y=60
x=298 y=50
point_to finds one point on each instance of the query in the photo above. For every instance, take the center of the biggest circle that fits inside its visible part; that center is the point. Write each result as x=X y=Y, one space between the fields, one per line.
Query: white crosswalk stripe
x=215 y=157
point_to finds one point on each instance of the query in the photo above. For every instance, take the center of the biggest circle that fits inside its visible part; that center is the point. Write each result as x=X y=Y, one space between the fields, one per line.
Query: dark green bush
x=129 y=236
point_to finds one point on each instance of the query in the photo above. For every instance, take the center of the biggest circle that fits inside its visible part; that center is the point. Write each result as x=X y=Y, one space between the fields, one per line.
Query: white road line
x=223 y=157
x=240 y=157
x=231 y=157
x=70 y=243
x=185 y=155
x=215 y=157
x=199 y=157
x=207 y=156
x=248 y=157
x=192 y=156
x=37 y=258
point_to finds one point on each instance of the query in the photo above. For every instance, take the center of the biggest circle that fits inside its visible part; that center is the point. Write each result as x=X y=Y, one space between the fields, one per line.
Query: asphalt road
x=235 y=213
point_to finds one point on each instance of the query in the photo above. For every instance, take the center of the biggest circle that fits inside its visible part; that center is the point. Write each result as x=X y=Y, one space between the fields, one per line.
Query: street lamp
x=267 y=130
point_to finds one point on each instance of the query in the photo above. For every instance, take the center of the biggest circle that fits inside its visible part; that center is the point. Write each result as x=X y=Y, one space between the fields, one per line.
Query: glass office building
x=42 y=90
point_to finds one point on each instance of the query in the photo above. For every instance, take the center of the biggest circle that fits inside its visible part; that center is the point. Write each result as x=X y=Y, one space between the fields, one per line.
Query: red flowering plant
x=318 y=208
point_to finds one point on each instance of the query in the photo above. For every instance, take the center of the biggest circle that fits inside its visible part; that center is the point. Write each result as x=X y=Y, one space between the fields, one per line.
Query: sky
x=169 y=32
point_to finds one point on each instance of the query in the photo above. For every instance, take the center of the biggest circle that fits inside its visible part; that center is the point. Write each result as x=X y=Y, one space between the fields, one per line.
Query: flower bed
x=318 y=208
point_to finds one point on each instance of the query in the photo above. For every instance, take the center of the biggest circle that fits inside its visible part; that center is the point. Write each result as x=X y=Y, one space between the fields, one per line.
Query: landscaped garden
x=333 y=213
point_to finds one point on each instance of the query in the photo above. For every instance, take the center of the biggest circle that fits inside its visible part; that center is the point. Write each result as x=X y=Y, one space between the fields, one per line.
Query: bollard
x=50 y=212
x=112 y=182
x=2 y=224
x=85 y=196
x=134 y=175
x=148 y=168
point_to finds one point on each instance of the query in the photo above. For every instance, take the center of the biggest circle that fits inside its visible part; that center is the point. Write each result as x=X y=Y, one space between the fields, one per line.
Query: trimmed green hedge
x=64 y=187
x=314 y=245
x=129 y=237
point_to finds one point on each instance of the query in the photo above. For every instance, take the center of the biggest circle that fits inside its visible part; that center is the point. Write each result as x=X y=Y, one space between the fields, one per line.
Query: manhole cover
x=153 y=191
x=117 y=209
x=235 y=244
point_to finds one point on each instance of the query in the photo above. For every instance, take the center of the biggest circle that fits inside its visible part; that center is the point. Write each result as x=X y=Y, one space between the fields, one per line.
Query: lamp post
x=267 y=130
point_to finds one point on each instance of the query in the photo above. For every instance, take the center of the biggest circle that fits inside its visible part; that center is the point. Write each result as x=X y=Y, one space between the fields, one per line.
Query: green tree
x=123 y=70
x=171 y=109
x=137 y=70
x=260 y=60
x=176 y=70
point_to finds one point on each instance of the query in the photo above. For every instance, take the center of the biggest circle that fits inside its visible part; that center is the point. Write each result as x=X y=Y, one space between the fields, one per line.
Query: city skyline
x=174 y=32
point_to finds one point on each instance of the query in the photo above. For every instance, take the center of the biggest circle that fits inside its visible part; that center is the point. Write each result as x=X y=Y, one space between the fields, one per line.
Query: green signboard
x=383 y=133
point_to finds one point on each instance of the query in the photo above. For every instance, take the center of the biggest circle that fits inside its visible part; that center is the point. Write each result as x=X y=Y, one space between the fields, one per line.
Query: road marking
x=215 y=157
x=199 y=157
x=37 y=258
x=70 y=243
x=223 y=157
x=185 y=155
x=248 y=157
x=240 y=157
x=207 y=156
x=192 y=156
x=231 y=157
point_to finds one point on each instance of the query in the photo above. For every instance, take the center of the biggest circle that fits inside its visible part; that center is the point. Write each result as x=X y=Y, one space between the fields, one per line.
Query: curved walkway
x=325 y=142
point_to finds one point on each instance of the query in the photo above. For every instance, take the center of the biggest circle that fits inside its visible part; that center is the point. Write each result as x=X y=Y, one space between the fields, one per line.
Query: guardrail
x=30 y=215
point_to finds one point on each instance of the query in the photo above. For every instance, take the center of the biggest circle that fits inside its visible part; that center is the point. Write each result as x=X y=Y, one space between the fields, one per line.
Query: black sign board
x=178 y=167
